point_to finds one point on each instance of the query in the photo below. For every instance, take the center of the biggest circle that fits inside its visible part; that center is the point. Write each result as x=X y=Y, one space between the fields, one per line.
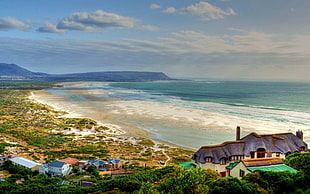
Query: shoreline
x=144 y=119
x=59 y=103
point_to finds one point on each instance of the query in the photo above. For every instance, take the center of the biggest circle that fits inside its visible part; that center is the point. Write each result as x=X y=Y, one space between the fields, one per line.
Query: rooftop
x=24 y=162
x=57 y=164
x=274 y=168
x=262 y=161
x=232 y=165
x=188 y=165
x=223 y=144
x=70 y=160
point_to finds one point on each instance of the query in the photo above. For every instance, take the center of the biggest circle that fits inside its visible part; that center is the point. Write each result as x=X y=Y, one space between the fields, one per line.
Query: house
x=250 y=147
x=25 y=163
x=83 y=163
x=113 y=164
x=56 y=168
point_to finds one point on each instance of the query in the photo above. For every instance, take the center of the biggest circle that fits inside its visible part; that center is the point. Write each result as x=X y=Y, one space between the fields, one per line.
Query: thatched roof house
x=252 y=146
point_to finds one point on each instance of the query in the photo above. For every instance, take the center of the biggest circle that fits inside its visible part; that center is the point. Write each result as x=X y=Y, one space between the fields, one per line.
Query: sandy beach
x=134 y=118
x=72 y=110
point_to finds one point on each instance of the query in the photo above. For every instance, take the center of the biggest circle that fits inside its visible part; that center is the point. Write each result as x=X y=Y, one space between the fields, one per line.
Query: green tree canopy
x=299 y=161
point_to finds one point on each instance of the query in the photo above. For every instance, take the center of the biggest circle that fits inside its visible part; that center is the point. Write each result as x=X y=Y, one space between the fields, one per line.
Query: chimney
x=237 y=133
x=300 y=135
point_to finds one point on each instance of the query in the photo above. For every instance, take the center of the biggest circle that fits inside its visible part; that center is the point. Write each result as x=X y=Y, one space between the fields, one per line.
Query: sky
x=211 y=39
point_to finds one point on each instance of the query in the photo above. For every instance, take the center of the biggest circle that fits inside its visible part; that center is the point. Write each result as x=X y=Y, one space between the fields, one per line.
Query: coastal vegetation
x=45 y=134
x=170 y=179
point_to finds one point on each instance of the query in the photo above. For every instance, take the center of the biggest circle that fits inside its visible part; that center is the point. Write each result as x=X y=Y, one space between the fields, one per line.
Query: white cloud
x=149 y=28
x=92 y=22
x=9 y=23
x=155 y=6
x=204 y=10
x=50 y=28
x=170 y=10
x=219 y=56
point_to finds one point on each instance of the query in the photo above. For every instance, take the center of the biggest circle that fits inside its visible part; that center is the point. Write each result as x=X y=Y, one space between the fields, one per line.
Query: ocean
x=197 y=113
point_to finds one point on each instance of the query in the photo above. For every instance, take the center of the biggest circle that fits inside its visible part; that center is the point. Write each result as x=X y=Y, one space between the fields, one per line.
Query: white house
x=56 y=168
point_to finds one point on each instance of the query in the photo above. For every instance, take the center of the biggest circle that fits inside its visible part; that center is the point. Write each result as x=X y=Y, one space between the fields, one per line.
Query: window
x=237 y=157
x=223 y=161
x=208 y=159
x=252 y=154
x=241 y=173
x=302 y=149
x=278 y=154
x=261 y=153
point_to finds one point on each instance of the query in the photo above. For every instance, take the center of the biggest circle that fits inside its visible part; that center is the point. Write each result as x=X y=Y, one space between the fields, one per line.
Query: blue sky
x=216 y=39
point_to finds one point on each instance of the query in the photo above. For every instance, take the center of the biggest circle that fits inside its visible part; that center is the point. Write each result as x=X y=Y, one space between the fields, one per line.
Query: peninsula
x=14 y=72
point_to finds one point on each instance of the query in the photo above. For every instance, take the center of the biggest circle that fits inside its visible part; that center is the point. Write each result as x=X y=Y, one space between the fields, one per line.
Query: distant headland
x=12 y=72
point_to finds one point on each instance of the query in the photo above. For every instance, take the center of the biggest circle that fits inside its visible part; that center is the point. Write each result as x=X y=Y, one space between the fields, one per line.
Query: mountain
x=15 y=72
x=111 y=76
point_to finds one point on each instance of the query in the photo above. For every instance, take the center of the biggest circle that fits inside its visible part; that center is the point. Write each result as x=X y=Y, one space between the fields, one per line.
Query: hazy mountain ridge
x=15 y=72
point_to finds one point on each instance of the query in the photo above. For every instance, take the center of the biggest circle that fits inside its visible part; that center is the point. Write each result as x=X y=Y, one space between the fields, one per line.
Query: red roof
x=71 y=161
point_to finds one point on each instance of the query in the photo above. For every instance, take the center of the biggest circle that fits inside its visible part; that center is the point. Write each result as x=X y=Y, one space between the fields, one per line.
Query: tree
x=256 y=179
x=130 y=186
x=299 y=161
x=193 y=180
x=93 y=170
x=231 y=185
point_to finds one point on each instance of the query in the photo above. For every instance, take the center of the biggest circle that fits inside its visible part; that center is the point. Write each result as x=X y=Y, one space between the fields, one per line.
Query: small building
x=243 y=167
x=224 y=157
x=56 y=168
x=25 y=163
x=87 y=184
x=83 y=163
x=113 y=164
x=109 y=165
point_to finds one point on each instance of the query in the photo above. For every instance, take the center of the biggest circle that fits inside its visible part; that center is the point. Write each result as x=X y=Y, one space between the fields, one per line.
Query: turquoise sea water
x=285 y=103
x=280 y=102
